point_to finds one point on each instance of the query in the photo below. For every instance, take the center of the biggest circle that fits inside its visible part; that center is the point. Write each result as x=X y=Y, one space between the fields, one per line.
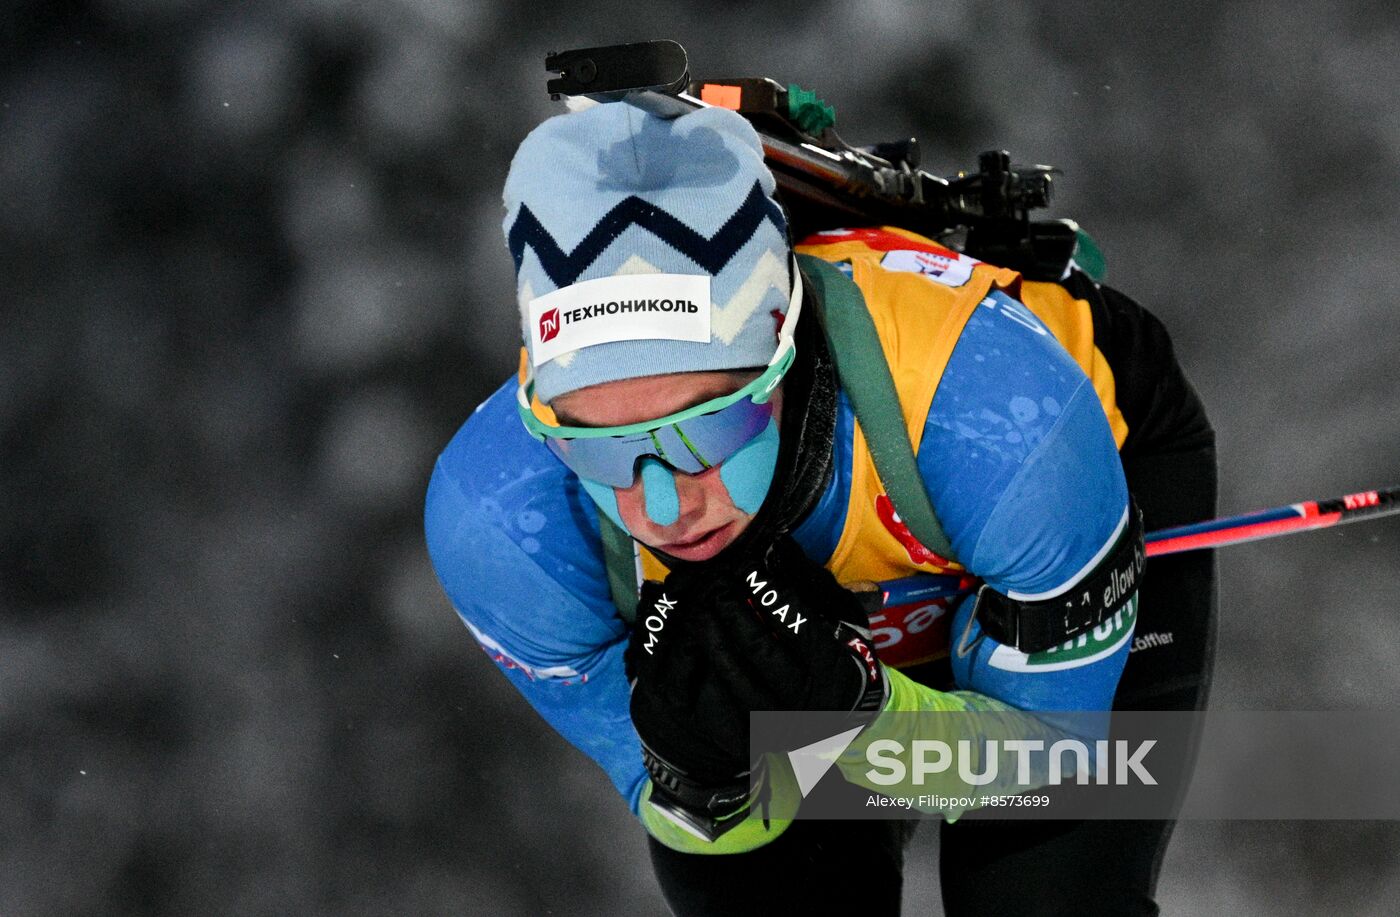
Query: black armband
x=1033 y=627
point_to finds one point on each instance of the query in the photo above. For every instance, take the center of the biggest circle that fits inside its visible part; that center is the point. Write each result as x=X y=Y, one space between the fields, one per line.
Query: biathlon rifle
x=825 y=183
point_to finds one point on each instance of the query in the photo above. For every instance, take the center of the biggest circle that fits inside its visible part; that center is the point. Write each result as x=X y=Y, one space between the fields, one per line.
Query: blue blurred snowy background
x=253 y=280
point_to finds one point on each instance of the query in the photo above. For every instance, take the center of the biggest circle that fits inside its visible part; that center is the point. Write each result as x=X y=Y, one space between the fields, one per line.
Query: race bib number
x=912 y=626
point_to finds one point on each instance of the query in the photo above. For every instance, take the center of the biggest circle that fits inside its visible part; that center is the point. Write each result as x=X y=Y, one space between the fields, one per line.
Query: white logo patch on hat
x=638 y=307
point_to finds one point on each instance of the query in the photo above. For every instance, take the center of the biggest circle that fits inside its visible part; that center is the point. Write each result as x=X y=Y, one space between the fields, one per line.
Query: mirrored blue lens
x=691 y=445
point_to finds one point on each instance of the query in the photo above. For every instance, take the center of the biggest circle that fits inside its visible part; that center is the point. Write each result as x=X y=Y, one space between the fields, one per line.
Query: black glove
x=713 y=644
x=694 y=737
x=787 y=636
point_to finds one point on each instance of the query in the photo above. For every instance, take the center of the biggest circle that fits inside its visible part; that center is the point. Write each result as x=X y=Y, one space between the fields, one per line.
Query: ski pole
x=1281 y=520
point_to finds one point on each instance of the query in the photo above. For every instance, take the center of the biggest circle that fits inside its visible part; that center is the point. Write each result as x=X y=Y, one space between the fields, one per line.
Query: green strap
x=620 y=559
x=1089 y=256
x=864 y=374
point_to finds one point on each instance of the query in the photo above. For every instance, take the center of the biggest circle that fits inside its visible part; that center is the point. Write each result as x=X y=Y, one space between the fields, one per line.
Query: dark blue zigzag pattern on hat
x=712 y=254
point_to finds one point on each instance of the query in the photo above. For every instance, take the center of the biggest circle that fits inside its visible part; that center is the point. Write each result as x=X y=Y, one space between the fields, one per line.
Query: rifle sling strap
x=864 y=374
x=620 y=558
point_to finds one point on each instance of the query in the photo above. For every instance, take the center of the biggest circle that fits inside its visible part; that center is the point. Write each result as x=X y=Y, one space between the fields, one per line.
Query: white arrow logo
x=810 y=762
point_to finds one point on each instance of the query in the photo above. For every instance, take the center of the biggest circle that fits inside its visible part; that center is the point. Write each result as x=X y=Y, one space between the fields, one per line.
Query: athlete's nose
x=693 y=494
x=659 y=494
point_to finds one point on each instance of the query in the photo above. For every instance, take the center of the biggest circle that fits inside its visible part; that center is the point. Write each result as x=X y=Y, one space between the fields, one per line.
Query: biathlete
x=676 y=387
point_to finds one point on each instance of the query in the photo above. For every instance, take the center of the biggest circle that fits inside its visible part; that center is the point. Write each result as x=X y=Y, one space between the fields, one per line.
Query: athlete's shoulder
x=495 y=471
x=1018 y=454
x=515 y=543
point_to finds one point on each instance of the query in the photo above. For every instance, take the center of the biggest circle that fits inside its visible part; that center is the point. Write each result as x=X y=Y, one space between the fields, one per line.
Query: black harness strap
x=1033 y=627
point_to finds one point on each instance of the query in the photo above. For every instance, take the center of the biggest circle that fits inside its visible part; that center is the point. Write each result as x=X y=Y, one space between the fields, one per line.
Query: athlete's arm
x=512 y=547
x=515 y=545
x=1020 y=463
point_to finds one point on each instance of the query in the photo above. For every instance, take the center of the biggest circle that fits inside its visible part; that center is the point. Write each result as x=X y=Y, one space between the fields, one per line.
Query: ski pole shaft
x=1281 y=520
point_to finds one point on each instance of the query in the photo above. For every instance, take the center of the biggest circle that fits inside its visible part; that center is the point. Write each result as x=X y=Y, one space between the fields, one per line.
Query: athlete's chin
x=705 y=546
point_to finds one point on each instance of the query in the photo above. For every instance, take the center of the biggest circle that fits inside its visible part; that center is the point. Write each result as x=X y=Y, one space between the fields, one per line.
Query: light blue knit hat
x=644 y=246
